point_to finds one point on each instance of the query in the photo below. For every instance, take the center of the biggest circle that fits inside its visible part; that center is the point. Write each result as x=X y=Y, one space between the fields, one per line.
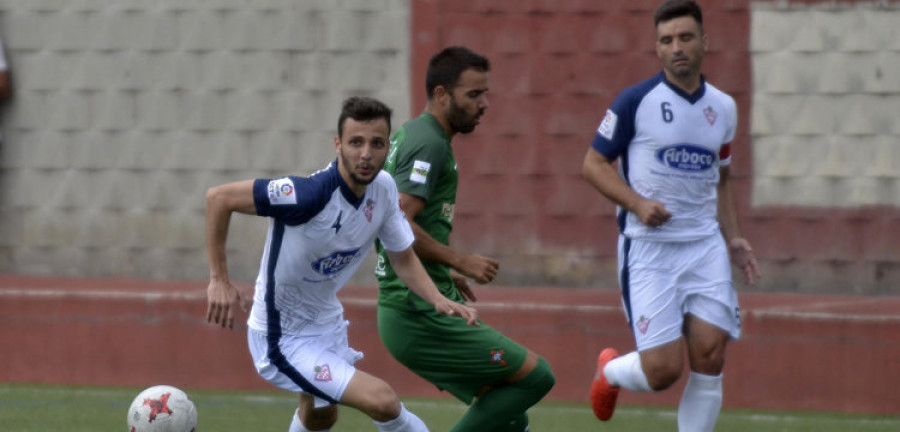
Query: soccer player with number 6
x=678 y=224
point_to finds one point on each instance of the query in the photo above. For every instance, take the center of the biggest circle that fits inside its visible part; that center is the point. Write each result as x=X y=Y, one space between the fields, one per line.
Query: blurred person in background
x=5 y=84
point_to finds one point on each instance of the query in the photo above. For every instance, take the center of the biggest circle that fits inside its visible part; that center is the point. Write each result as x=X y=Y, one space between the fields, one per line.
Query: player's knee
x=661 y=376
x=712 y=364
x=545 y=378
x=708 y=359
x=663 y=365
x=319 y=418
x=540 y=380
x=383 y=404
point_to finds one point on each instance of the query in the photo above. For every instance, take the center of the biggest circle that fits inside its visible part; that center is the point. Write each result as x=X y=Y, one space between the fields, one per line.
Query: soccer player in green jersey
x=473 y=363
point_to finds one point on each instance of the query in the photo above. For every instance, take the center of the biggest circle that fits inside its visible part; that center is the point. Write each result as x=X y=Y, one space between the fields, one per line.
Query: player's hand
x=480 y=268
x=652 y=213
x=222 y=299
x=462 y=285
x=451 y=308
x=742 y=256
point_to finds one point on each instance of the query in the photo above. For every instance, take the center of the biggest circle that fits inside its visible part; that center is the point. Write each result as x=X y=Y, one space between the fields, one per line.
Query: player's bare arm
x=462 y=285
x=480 y=268
x=738 y=247
x=599 y=172
x=221 y=201
x=410 y=270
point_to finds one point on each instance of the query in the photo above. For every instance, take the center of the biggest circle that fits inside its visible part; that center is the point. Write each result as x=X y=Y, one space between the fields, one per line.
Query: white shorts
x=320 y=365
x=663 y=281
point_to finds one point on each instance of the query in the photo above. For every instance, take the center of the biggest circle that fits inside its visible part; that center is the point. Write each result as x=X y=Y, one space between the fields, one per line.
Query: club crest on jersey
x=369 y=209
x=686 y=157
x=643 y=324
x=497 y=357
x=323 y=373
x=335 y=262
x=710 y=115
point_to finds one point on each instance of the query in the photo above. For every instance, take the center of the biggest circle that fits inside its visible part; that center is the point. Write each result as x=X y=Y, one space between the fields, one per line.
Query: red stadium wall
x=556 y=67
x=798 y=352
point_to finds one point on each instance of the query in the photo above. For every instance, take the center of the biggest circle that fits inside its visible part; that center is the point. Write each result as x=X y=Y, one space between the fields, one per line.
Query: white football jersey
x=670 y=145
x=319 y=234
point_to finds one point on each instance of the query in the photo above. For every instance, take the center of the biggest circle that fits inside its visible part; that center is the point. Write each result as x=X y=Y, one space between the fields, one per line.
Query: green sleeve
x=416 y=164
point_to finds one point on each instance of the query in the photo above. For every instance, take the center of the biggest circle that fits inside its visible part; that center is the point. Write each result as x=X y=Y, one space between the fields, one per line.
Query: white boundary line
x=201 y=294
x=778 y=312
x=825 y=316
x=102 y=294
x=543 y=307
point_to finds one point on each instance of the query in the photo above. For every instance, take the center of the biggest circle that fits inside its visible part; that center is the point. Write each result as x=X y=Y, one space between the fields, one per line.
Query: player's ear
x=441 y=95
x=337 y=144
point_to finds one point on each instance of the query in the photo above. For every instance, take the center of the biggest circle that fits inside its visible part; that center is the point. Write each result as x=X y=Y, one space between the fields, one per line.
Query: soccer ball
x=162 y=408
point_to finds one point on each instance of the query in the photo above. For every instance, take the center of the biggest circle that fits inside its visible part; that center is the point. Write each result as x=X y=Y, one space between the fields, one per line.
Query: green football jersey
x=422 y=163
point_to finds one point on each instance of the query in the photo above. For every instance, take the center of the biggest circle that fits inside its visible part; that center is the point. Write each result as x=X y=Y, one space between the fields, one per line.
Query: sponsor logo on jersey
x=281 y=191
x=711 y=115
x=323 y=373
x=335 y=262
x=420 y=171
x=686 y=157
x=608 y=125
x=369 y=209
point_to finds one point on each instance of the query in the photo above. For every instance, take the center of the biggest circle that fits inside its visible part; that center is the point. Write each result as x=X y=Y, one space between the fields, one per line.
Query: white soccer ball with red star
x=162 y=408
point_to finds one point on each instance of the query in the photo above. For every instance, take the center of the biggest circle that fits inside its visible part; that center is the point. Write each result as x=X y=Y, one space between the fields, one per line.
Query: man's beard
x=356 y=179
x=459 y=120
x=361 y=181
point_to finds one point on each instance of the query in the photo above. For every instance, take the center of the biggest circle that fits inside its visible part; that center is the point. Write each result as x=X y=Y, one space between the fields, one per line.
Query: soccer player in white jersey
x=678 y=225
x=321 y=227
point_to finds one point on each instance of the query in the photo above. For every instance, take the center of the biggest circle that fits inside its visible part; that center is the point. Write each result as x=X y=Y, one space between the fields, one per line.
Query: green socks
x=503 y=408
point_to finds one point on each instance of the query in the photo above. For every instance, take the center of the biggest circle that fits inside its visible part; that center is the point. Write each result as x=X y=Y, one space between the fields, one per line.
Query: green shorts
x=447 y=352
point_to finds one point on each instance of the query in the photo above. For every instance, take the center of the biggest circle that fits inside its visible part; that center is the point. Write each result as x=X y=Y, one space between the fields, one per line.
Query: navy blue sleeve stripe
x=261 y=196
x=312 y=193
x=273 y=332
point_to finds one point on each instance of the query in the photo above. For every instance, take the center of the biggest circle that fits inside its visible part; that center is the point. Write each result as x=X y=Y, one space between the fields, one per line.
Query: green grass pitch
x=34 y=408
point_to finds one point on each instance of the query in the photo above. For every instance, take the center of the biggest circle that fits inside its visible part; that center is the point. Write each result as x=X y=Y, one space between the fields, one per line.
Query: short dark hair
x=445 y=67
x=363 y=109
x=678 y=8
